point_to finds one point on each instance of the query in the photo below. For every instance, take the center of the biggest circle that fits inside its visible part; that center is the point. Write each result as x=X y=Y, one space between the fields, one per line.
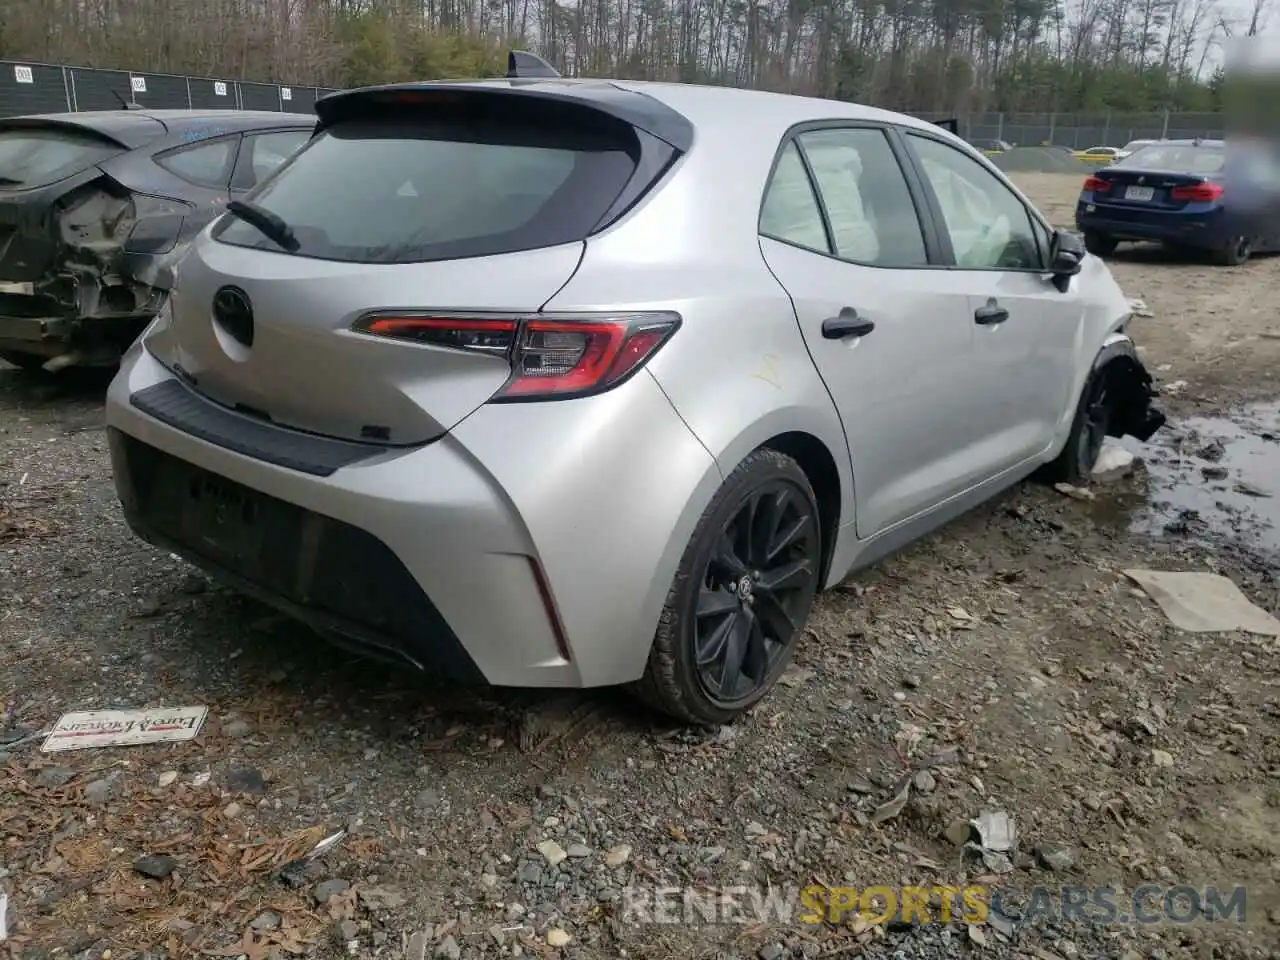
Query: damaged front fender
x=1131 y=390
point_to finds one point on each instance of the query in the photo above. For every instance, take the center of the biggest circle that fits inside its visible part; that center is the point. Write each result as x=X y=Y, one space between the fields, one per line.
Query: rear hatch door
x=449 y=201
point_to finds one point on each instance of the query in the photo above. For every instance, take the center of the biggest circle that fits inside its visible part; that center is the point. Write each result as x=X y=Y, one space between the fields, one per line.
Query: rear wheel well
x=820 y=467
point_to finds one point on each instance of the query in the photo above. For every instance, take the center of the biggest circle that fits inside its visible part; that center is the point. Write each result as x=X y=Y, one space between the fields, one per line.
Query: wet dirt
x=1212 y=480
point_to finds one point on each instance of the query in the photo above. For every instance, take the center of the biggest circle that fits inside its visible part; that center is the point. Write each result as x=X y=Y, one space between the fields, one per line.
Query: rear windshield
x=387 y=191
x=1177 y=158
x=33 y=158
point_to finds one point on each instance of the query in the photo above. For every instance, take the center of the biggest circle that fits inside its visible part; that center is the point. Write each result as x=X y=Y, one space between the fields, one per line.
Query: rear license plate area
x=1141 y=194
x=222 y=520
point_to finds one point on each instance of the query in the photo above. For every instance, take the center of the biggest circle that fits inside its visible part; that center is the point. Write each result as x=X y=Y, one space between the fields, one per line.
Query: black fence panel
x=159 y=91
x=31 y=88
x=98 y=89
x=259 y=96
x=297 y=99
x=209 y=94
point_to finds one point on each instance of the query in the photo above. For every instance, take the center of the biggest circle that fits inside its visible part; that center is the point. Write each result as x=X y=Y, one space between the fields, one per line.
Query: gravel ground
x=1005 y=664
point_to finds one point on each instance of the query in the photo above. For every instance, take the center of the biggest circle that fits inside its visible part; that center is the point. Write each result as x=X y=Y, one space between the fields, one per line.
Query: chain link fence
x=1083 y=130
x=27 y=88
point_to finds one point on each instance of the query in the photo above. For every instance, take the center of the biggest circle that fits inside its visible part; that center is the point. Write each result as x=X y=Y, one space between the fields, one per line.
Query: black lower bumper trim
x=337 y=578
x=179 y=406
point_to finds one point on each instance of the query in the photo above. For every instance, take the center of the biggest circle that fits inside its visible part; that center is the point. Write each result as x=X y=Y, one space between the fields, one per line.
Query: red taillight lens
x=551 y=356
x=1097 y=185
x=1198 y=193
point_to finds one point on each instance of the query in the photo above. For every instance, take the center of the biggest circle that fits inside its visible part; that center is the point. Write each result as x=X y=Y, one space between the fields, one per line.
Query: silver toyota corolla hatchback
x=571 y=383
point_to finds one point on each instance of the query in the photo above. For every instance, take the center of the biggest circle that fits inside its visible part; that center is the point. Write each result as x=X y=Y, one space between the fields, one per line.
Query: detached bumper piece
x=338 y=579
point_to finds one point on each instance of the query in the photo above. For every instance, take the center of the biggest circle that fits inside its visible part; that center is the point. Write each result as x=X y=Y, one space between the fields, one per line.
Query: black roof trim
x=630 y=106
x=126 y=128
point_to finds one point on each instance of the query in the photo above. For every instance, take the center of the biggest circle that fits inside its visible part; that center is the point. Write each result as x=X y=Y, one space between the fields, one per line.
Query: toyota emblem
x=234 y=313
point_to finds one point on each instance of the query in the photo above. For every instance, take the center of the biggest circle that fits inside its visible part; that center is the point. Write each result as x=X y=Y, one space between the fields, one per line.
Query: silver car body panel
x=923 y=420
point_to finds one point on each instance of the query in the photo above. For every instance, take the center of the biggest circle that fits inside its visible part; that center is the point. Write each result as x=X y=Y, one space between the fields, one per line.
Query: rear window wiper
x=270 y=224
x=10 y=182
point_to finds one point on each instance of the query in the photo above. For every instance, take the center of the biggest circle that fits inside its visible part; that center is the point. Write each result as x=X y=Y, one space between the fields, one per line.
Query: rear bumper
x=1208 y=232
x=480 y=555
x=34 y=331
x=99 y=338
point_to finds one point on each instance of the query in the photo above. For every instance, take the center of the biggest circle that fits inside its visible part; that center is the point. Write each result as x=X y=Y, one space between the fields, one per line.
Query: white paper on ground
x=1113 y=459
x=124 y=728
x=1204 y=602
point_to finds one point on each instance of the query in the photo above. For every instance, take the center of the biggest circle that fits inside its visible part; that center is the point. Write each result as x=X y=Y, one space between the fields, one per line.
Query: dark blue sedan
x=1188 y=194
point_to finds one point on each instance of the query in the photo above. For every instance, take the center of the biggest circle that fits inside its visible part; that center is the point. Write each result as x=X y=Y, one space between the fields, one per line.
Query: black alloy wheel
x=741 y=596
x=756 y=590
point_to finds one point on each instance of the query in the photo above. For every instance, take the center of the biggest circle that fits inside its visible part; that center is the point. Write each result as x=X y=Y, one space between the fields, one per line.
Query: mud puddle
x=1214 y=479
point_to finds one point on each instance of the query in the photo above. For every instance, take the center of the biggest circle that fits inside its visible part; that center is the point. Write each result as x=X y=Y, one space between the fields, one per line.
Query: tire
x=23 y=361
x=1100 y=244
x=771 y=621
x=1237 y=253
x=1089 y=427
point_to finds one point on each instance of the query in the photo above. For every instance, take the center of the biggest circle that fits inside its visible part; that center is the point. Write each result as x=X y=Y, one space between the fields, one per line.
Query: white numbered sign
x=219 y=88
x=286 y=93
x=23 y=75
x=139 y=84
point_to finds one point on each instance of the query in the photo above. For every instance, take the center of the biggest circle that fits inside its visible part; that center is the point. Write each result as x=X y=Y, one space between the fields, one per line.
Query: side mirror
x=1066 y=258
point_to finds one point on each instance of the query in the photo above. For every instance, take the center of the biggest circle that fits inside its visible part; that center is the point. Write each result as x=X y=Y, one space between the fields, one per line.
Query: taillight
x=1096 y=185
x=552 y=356
x=1198 y=192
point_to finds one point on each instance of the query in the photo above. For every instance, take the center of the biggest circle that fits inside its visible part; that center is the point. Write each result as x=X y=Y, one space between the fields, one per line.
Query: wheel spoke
x=772 y=517
x=734 y=654
x=728 y=560
x=716 y=602
x=755 y=531
x=756 y=664
x=789 y=576
x=787 y=536
x=712 y=647
x=773 y=615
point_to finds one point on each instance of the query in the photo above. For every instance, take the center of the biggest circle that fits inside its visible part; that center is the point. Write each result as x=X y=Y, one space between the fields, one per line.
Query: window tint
x=400 y=191
x=989 y=227
x=865 y=194
x=790 y=211
x=208 y=164
x=35 y=157
x=268 y=150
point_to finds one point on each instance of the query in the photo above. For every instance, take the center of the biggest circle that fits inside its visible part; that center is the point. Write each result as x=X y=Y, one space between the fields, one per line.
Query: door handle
x=991 y=314
x=846 y=324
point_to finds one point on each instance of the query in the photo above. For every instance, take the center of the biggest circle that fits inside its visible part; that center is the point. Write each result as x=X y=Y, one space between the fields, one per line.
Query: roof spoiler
x=951 y=123
x=523 y=65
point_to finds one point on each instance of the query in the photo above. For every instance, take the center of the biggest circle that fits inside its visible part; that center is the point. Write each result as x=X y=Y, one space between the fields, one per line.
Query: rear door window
x=206 y=164
x=36 y=157
x=864 y=191
x=406 y=191
x=790 y=212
